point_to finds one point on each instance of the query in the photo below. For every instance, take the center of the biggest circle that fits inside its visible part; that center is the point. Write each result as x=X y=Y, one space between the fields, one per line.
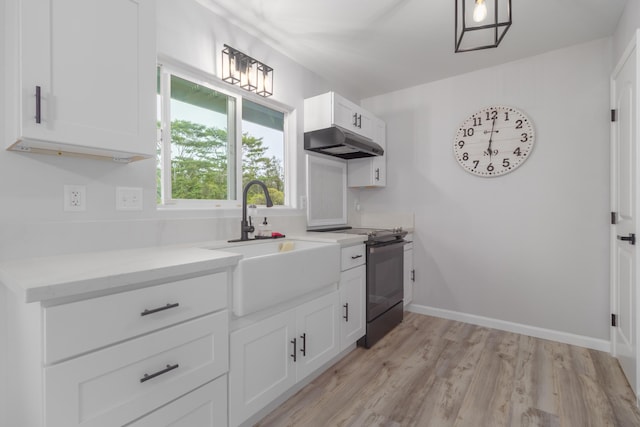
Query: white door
x=624 y=205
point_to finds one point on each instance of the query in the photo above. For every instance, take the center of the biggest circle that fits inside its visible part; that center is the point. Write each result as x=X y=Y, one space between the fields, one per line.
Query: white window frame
x=168 y=68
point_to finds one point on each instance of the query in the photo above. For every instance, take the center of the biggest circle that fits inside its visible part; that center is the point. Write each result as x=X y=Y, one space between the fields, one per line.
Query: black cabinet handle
x=413 y=275
x=346 y=312
x=355 y=119
x=303 y=350
x=360 y=121
x=356 y=256
x=148 y=377
x=377 y=174
x=293 y=341
x=155 y=310
x=631 y=238
x=38 y=107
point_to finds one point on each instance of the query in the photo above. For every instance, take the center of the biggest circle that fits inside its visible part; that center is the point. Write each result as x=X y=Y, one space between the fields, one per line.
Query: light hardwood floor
x=436 y=372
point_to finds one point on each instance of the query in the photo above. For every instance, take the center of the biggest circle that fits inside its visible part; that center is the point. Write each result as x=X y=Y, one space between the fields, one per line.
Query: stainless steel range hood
x=338 y=142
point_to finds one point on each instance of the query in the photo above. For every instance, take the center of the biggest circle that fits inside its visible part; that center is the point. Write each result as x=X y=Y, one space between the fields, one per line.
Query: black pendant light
x=481 y=24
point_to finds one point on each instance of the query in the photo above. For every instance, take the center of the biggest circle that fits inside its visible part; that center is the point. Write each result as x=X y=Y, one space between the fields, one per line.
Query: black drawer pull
x=293 y=341
x=155 y=310
x=346 y=309
x=38 y=107
x=148 y=377
x=356 y=256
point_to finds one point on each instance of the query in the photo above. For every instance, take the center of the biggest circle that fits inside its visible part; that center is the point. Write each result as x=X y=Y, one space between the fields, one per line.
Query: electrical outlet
x=303 y=202
x=75 y=198
x=128 y=198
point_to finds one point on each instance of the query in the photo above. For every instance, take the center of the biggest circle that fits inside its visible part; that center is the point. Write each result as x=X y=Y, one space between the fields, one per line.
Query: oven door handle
x=387 y=247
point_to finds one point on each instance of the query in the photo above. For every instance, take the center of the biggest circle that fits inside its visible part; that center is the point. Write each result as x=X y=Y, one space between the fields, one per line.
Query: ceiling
x=378 y=46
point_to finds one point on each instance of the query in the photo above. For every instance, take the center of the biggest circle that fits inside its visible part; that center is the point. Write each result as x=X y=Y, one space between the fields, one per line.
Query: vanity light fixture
x=251 y=74
x=265 y=80
x=481 y=24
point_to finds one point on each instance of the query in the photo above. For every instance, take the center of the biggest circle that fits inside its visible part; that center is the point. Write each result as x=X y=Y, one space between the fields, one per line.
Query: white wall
x=32 y=220
x=530 y=247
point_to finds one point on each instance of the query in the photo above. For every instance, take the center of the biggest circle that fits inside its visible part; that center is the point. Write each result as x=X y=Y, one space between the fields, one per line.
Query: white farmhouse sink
x=265 y=276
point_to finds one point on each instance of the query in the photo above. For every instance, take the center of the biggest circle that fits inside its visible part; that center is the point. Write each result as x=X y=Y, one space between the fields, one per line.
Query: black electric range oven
x=385 y=292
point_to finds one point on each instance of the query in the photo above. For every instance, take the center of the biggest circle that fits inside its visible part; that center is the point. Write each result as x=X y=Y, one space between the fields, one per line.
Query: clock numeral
x=517 y=152
x=492 y=115
x=468 y=132
x=525 y=137
x=476 y=163
x=490 y=167
x=465 y=156
x=518 y=124
x=506 y=116
x=505 y=162
x=460 y=144
x=477 y=121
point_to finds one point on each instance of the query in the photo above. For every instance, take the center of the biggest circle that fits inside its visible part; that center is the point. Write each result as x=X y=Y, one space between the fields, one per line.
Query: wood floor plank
x=431 y=372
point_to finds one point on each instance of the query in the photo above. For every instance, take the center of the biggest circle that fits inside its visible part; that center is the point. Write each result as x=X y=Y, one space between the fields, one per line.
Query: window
x=214 y=141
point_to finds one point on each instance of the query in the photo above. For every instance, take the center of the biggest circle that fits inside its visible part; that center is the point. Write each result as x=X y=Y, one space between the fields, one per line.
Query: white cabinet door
x=203 y=407
x=94 y=64
x=349 y=116
x=352 y=300
x=370 y=171
x=409 y=273
x=261 y=366
x=318 y=333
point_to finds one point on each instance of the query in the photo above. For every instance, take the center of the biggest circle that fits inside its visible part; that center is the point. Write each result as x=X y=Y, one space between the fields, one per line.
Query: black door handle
x=631 y=238
x=303 y=350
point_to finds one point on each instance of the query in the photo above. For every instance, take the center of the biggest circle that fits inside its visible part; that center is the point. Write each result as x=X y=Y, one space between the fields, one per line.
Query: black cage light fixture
x=481 y=24
x=249 y=73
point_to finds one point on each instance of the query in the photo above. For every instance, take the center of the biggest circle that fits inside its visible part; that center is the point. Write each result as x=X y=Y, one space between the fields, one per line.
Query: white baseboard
x=534 y=331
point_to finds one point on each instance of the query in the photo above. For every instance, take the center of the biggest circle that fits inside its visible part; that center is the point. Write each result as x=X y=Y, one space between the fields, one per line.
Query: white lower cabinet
x=143 y=356
x=269 y=357
x=203 y=407
x=125 y=381
x=409 y=272
x=352 y=299
x=353 y=288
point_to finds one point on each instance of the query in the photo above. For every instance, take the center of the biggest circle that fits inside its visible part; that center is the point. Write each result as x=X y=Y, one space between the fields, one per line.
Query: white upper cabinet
x=82 y=77
x=331 y=109
x=370 y=171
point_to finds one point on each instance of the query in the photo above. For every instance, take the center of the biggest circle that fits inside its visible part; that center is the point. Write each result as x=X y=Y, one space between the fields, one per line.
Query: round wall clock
x=494 y=141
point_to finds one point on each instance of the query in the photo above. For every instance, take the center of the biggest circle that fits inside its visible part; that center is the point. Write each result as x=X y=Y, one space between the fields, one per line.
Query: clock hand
x=493 y=124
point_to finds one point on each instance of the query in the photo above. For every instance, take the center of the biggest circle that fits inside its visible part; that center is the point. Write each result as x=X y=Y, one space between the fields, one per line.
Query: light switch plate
x=128 y=198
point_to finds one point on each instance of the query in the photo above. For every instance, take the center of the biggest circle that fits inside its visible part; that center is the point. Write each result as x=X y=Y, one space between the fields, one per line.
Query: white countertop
x=48 y=278
x=64 y=276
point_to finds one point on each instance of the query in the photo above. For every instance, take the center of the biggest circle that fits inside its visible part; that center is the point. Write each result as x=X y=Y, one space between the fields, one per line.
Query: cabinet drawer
x=109 y=388
x=353 y=256
x=78 y=327
x=204 y=407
